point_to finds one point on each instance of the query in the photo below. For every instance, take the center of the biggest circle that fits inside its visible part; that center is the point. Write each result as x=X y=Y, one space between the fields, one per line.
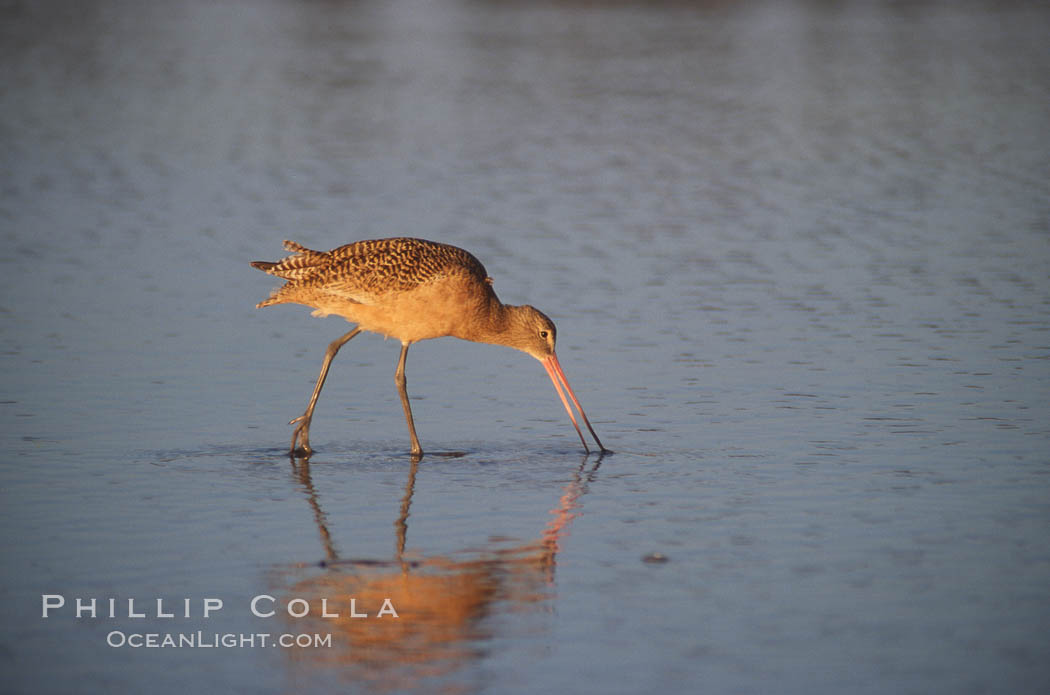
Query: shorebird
x=412 y=290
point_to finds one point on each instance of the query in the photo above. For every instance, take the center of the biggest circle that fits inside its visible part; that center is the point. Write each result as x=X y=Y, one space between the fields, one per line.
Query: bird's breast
x=434 y=310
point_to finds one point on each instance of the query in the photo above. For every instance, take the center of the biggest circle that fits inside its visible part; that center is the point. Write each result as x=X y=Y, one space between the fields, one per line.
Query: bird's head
x=531 y=331
x=528 y=329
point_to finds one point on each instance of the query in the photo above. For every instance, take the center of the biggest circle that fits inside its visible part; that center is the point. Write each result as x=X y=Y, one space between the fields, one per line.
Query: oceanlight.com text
x=216 y=640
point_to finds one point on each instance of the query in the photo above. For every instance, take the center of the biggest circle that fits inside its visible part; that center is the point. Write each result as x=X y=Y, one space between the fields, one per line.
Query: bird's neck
x=492 y=322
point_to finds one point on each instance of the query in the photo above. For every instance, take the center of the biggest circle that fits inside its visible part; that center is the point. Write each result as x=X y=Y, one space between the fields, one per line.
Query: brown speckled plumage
x=412 y=290
x=365 y=269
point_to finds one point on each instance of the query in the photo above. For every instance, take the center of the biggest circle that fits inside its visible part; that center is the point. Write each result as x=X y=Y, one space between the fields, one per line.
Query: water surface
x=798 y=257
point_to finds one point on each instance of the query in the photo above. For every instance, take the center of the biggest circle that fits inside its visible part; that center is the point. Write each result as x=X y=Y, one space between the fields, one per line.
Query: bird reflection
x=441 y=601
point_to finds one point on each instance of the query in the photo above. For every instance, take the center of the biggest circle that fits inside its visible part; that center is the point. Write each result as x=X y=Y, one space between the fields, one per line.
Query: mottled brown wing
x=396 y=264
x=364 y=270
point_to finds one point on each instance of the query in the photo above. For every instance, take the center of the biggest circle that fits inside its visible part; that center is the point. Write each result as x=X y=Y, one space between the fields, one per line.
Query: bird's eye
x=543 y=334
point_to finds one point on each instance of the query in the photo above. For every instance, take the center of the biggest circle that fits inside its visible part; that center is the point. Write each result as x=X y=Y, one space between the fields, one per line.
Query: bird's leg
x=301 y=433
x=399 y=378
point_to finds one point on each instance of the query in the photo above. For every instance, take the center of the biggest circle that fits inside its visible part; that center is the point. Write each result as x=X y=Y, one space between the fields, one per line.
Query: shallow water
x=798 y=257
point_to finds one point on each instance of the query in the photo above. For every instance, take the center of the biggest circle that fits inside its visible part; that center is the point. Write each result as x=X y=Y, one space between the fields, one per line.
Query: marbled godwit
x=412 y=290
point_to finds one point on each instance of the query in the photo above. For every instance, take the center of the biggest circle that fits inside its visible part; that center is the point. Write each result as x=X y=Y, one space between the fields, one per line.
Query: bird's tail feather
x=301 y=264
x=297 y=266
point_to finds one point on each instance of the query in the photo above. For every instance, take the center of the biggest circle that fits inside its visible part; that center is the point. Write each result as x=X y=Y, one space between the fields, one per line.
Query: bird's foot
x=301 y=437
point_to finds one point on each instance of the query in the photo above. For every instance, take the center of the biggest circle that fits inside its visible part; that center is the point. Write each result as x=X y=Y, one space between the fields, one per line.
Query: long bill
x=558 y=379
